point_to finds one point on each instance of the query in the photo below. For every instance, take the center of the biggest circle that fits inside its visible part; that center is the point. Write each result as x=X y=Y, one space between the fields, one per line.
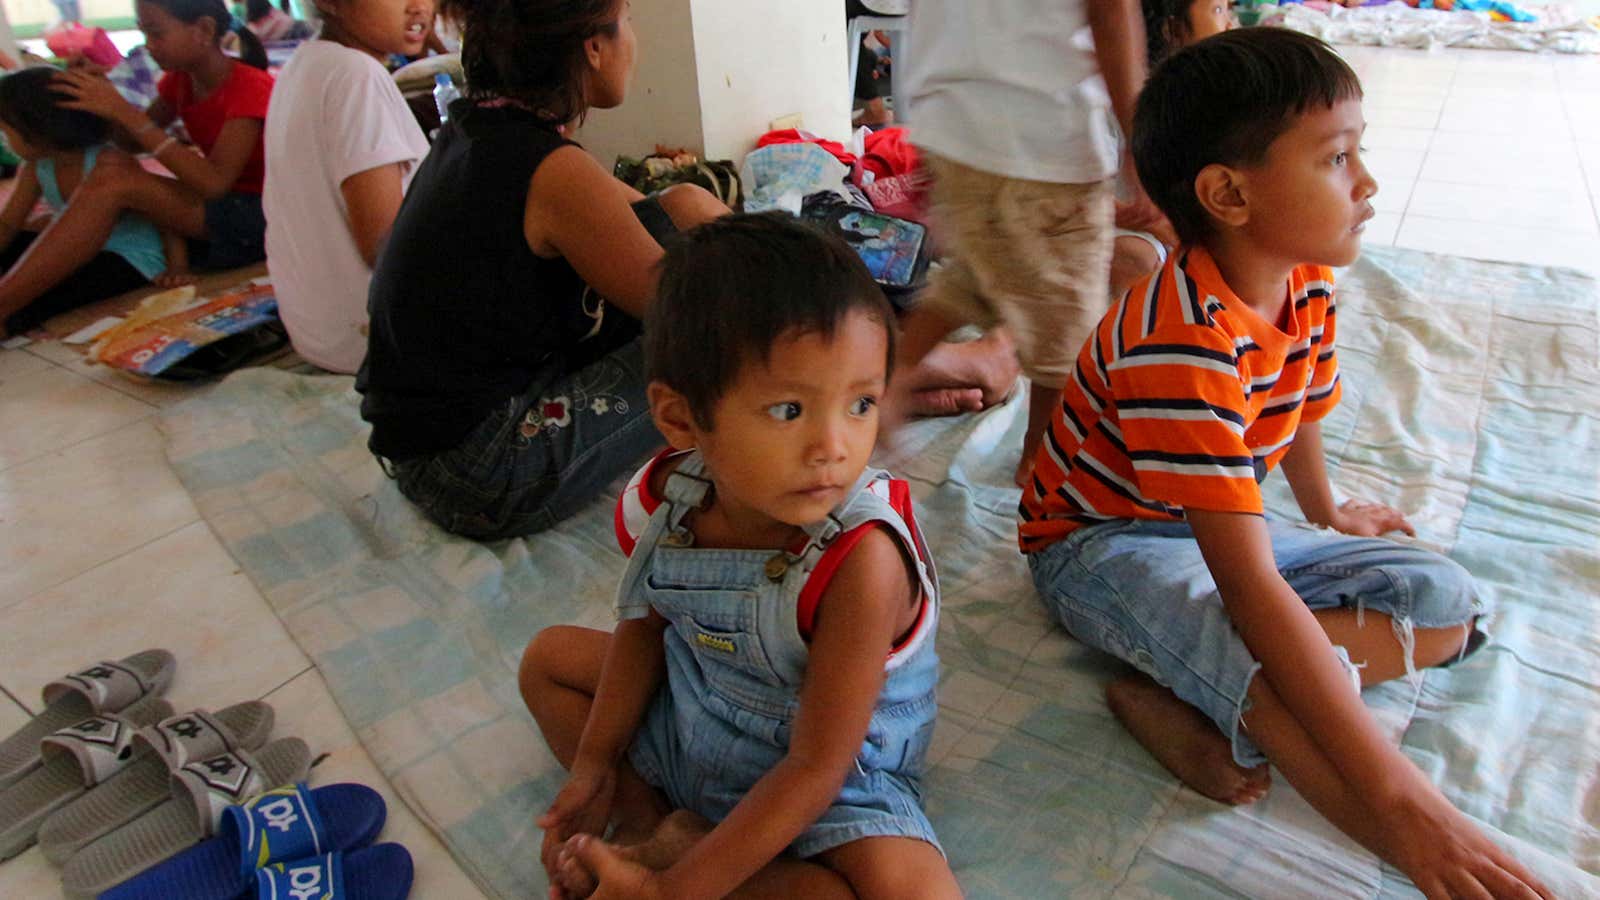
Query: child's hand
x=582 y=807
x=1367 y=519
x=1446 y=855
x=616 y=878
x=93 y=93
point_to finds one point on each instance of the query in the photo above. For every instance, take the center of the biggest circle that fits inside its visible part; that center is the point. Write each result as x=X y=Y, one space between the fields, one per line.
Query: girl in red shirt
x=215 y=201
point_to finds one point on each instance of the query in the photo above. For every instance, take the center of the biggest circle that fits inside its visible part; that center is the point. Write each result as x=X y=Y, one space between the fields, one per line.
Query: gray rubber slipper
x=200 y=792
x=107 y=687
x=161 y=750
x=74 y=759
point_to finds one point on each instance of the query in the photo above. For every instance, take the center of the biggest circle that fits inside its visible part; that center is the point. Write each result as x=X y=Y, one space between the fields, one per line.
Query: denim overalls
x=735 y=661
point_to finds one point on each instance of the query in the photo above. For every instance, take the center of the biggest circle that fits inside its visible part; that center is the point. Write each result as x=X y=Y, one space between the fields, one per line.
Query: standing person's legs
x=1032 y=256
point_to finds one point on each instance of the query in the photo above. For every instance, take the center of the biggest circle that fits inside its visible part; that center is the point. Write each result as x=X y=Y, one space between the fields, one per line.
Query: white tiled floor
x=1495 y=155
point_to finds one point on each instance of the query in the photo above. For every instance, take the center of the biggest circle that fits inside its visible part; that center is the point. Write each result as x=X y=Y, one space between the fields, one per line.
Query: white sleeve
x=367 y=123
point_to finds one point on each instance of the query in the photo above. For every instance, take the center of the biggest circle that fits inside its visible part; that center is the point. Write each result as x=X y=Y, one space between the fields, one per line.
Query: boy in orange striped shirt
x=1143 y=519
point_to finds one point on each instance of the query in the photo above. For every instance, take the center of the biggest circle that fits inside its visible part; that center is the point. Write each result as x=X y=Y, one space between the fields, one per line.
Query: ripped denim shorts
x=1140 y=590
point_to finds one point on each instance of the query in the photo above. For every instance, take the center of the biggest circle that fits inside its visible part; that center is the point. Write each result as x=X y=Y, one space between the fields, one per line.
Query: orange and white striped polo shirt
x=1183 y=397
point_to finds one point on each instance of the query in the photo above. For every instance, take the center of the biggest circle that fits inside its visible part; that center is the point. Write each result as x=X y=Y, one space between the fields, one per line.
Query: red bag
x=796 y=136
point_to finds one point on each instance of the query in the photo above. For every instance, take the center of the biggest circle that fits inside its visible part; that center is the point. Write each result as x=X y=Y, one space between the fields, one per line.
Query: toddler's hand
x=1367 y=519
x=617 y=878
x=582 y=807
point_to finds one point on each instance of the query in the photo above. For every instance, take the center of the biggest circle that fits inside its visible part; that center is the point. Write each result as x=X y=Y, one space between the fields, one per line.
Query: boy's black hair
x=1225 y=100
x=29 y=105
x=733 y=286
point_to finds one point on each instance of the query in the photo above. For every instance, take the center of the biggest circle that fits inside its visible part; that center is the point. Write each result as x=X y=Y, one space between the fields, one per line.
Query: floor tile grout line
x=1591 y=183
x=105 y=384
x=93 y=437
x=129 y=552
x=14 y=699
x=290 y=679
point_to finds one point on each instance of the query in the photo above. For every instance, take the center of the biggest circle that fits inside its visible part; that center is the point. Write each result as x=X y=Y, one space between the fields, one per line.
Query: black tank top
x=462 y=313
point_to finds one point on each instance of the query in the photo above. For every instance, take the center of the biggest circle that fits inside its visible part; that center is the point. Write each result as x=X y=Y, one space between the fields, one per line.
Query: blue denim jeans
x=539 y=457
x=1140 y=590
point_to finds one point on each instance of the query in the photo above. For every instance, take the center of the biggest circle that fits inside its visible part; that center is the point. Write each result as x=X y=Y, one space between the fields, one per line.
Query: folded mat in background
x=1471 y=401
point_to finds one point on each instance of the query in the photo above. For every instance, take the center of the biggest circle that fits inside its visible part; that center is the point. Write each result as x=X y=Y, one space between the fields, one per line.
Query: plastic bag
x=70 y=39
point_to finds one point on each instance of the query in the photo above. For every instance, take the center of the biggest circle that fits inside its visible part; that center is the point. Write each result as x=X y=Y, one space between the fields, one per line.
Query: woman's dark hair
x=256 y=9
x=29 y=105
x=732 y=287
x=1225 y=100
x=190 y=11
x=530 y=51
x=1166 y=27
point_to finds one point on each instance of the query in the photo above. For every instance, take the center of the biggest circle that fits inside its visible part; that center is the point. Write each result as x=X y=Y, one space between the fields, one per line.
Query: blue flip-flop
x=380 y=872
x=285 y=824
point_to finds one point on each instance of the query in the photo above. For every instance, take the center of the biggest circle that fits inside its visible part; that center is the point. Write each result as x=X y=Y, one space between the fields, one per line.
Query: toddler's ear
x=672 y=415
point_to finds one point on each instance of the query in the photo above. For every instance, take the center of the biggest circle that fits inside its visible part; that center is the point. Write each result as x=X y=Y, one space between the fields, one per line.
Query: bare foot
x=174 y=279
x=673 y=836
x=984 y=370
x=1183 y=740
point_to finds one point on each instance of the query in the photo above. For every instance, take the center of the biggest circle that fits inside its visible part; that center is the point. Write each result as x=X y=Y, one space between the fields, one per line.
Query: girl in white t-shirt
x=341 y=147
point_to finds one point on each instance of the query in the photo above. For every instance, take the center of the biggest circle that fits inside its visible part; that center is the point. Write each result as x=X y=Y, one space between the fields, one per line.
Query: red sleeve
x=248 y=94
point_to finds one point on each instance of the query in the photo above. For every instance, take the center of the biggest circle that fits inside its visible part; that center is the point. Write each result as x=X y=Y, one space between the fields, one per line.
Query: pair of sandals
x=133 y=801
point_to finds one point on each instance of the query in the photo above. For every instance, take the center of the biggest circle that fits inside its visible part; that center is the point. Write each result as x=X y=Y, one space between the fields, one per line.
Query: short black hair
x=732 y=287
x=1225 y=100
x=29 y=104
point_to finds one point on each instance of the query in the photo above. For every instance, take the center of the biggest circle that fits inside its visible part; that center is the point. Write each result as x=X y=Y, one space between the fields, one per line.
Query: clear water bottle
x=444 y=93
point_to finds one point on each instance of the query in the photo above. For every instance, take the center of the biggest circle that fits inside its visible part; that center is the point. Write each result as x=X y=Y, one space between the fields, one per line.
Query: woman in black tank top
x=504 y=378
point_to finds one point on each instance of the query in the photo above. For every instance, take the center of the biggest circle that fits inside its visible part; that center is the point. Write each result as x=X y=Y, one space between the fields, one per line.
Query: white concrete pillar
x=713 y=75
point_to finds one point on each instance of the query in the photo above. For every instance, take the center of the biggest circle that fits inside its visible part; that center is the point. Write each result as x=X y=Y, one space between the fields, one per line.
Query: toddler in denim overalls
x=762 y=712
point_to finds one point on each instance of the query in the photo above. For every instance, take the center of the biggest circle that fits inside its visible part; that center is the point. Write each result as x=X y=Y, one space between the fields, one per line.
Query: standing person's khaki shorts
x=1033 y=256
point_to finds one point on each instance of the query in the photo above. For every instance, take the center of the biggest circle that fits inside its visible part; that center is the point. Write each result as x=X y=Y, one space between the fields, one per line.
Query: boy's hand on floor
x=582 y=807
x=1446 y=855
x=1364 y=518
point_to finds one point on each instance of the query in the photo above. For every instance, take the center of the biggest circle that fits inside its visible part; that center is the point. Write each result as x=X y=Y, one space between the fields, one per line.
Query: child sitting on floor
x=774 y=669
x=60 y=147
x=1143 y=520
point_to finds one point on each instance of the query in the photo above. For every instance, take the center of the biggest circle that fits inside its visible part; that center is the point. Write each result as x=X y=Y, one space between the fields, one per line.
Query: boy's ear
x=672 y=415
x=1219 y=190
